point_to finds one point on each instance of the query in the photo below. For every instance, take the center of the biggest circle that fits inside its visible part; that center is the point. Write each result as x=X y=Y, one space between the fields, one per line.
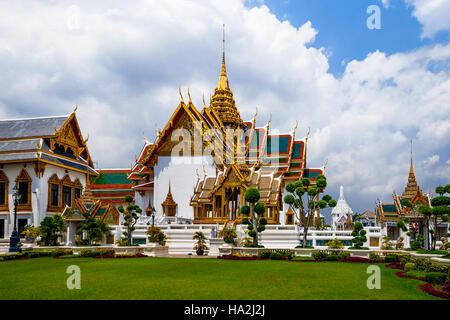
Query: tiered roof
x=396 y=210
x=111 y=185
x=47 y=140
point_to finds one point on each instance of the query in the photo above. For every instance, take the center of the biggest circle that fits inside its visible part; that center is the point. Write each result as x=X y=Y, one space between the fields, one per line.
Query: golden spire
x=411 y=187
x=411 y=170
x=222 y=101
x=223 y=80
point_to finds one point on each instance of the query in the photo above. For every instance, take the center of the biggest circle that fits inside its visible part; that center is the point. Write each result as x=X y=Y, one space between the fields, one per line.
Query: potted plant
x=200 y=246
x=156 y=235
x=228 y=235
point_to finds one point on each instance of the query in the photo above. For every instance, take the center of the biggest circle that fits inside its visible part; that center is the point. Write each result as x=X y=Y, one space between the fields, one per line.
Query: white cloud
x=386 y=3
x=431 y=160
x=125 y=63
x=432 y=14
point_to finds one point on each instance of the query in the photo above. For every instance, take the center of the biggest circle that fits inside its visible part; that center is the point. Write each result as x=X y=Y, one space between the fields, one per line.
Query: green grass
x=190 y=278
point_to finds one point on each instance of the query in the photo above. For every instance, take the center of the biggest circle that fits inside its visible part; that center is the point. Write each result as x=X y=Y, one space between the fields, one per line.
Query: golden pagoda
x=222 y=100
x=169 y=205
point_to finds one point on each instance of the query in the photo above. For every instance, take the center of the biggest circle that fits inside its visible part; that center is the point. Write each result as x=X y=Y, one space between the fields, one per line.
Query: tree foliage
x=51 y=228
x=257 y=223
x=130 y=216
x=304 y=198
x=93 y=228
x=359 y=235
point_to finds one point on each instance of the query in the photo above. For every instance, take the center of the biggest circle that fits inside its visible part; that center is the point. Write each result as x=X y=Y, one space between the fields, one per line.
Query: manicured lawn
x=190 y=278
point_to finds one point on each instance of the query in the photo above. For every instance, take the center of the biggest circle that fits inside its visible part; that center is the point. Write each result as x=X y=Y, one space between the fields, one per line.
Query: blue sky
x=342 y=29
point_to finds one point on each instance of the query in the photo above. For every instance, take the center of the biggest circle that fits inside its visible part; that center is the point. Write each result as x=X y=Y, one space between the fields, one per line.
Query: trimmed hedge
x=435 y=277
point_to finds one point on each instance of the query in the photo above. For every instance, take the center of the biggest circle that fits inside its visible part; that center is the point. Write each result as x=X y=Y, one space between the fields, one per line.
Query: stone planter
x=299 y=252
x=129 y=250
x=214 y=245
x=359 y=253
x=154 y=249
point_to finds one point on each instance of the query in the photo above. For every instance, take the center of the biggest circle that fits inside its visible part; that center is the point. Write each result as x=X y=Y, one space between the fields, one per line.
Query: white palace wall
x=182 y=174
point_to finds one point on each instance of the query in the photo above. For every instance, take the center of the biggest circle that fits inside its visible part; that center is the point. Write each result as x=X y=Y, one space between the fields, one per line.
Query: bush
x=275 y=256
x=288 y=254
x=86 y=253
x=343 y=255
x=332 y=257
x=156 y=235
x=61 y=252
x=435 y=277
x=264 y=254
x=390 y=258
x=410 y=266
x=374 y=257
x=415 y=245
x=104 y=252
x=319 y=255
x=335 y=244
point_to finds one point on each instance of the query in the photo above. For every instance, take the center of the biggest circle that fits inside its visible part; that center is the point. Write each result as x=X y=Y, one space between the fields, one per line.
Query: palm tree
x=200 y=246
x=95 y=229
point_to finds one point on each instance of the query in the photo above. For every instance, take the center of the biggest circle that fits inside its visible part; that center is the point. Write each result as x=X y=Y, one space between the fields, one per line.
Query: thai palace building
x=389 y=213
x=191 y=178
x=48 y=160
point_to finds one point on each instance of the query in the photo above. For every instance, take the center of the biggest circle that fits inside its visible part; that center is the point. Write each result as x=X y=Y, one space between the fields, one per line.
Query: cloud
x=431 y=160
x=123 y=64
x=432 y=14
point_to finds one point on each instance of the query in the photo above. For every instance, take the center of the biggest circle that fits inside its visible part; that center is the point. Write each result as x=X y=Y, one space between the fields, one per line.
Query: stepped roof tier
x=46 y=140
x=111 y=185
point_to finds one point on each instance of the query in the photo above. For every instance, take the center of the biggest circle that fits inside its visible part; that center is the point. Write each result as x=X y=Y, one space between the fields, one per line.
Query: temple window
x=67 y=196
x=67 y=191
x=23 y=182
x=54 y=201
x=4 y=183
x=54 y=194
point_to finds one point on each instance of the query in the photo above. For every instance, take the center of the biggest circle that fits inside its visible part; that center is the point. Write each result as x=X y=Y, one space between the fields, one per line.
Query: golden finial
x=203 y=97
x=86 y=140
x=325 y=166
x=189 y=95
x=181 y=96
x=268 y=123
x=204 y=171
x=75 y=110
x=158 y=132
x=254 y=117
x=145 y=138
x=296 y=126
x=198 y=175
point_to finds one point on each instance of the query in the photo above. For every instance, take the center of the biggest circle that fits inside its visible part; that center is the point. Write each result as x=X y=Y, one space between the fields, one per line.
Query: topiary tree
x=359 y=235
x=257 y=224
x=130 y=216
x=440 y=210
x=303 y=197
x=51 y=228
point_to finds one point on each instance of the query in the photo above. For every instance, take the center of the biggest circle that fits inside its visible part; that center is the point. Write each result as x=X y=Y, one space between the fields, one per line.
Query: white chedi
x=340 y=212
